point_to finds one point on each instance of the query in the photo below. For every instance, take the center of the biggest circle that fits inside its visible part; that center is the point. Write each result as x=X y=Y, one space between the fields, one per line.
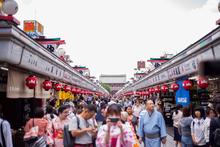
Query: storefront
x=184 y=67
x=28 y=75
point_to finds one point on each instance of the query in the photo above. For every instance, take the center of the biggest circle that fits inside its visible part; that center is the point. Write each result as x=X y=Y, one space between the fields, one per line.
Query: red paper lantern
x=138 y=93
x=187 y=84
x=151 y=90
x=78 y=90
x=73 y=90
x=31 y=81
x=203 y=83
x=157 y=89
x=164 y=88
x=47 y=85
x=67 y=88
x=58 y=86
x=143 y=93
x=147 y=93
x=174 y=86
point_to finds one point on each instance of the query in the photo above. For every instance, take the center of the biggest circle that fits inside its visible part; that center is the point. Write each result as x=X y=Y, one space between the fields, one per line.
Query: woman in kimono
x=114 y=133
x=58 y=125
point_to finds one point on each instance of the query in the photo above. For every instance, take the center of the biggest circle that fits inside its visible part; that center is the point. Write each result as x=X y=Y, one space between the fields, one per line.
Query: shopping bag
x=32 y=135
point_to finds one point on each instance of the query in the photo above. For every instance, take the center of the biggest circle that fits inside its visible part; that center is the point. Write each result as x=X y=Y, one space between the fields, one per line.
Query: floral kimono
x=57 y=131
x=115 y=137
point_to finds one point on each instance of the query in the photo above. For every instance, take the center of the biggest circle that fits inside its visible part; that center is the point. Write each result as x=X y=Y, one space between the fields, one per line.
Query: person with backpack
x=82 y=127
x=214 y=135
x=198 y=128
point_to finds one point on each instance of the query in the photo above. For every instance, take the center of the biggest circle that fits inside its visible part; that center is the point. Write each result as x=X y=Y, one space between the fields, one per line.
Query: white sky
x=110 y=36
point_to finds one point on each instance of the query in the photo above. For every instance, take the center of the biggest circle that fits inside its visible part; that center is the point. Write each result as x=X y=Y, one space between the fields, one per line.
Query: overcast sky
x=110 y=36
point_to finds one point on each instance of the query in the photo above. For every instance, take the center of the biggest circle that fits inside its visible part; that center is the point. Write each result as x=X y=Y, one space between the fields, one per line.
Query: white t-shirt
x=137 y=110
x=85 y=138
x=176 y=118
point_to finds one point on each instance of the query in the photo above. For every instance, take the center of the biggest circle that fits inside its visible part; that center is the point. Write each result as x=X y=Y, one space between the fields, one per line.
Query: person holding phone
x=84 y=130
x=114 y=133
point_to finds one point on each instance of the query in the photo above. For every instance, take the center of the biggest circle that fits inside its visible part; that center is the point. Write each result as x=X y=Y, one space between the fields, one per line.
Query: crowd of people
x=113 y=122
x=197 y=127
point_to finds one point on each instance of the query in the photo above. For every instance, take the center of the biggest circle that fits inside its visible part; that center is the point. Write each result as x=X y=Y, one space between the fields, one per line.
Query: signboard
x=140 y=64
x=182 y=95
x=33 y=28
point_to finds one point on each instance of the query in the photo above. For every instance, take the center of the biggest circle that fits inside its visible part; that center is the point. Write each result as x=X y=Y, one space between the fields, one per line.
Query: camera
x=114 y=120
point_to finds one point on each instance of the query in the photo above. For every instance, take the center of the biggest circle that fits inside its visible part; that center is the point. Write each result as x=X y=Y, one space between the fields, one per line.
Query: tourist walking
x=36 y=127
x=58 y=125
x=83 y=128
x=177 y=115
x=185 y=128
x=215 y=129
x=115 y=133
x=152 y=129
x=198 y=128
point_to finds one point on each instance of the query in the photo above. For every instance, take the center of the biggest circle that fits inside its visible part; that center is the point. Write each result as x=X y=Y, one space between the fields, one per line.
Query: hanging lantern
x=138 y=93
x=67 y=88
x=151 y=90
x=164 y=88
x=58 y=86
x=203 y=83
x=73 y=90
x=78 y=90
x=31 y=81
x=143 y=93
x=47 y=85
x=187 y=84
x=157 y=89
x=147 y=93
x=174 y=86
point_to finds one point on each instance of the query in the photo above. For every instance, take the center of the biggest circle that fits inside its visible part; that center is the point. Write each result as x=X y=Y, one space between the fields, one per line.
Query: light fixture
x=4 y=68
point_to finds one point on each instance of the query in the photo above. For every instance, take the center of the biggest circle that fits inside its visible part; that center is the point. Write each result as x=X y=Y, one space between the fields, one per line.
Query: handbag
x=68 y=139
x=32 y=135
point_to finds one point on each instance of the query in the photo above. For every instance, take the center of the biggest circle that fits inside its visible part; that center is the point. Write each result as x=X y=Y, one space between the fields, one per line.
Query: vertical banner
x=182 y=95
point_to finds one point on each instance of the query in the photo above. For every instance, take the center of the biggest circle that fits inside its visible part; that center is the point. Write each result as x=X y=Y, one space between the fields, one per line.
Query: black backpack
x=68 y=139
x=216 y=134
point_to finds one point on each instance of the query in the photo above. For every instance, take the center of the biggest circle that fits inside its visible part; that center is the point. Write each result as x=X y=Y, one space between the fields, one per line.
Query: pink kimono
x=57 y=129
x=115 y=137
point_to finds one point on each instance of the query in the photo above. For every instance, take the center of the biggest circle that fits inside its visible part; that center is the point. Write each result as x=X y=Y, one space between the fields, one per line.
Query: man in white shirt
x=82 y=127
x=137 y=108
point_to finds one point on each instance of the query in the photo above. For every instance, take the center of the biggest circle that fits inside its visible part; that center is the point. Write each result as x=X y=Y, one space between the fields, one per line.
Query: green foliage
x=106 y=86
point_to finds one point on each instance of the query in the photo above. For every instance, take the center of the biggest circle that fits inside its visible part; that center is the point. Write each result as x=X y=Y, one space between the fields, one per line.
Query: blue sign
x=182 y=95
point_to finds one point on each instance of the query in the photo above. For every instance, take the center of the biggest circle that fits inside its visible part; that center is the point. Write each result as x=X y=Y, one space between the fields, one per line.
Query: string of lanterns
x=187 y=85
x=31 y=83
